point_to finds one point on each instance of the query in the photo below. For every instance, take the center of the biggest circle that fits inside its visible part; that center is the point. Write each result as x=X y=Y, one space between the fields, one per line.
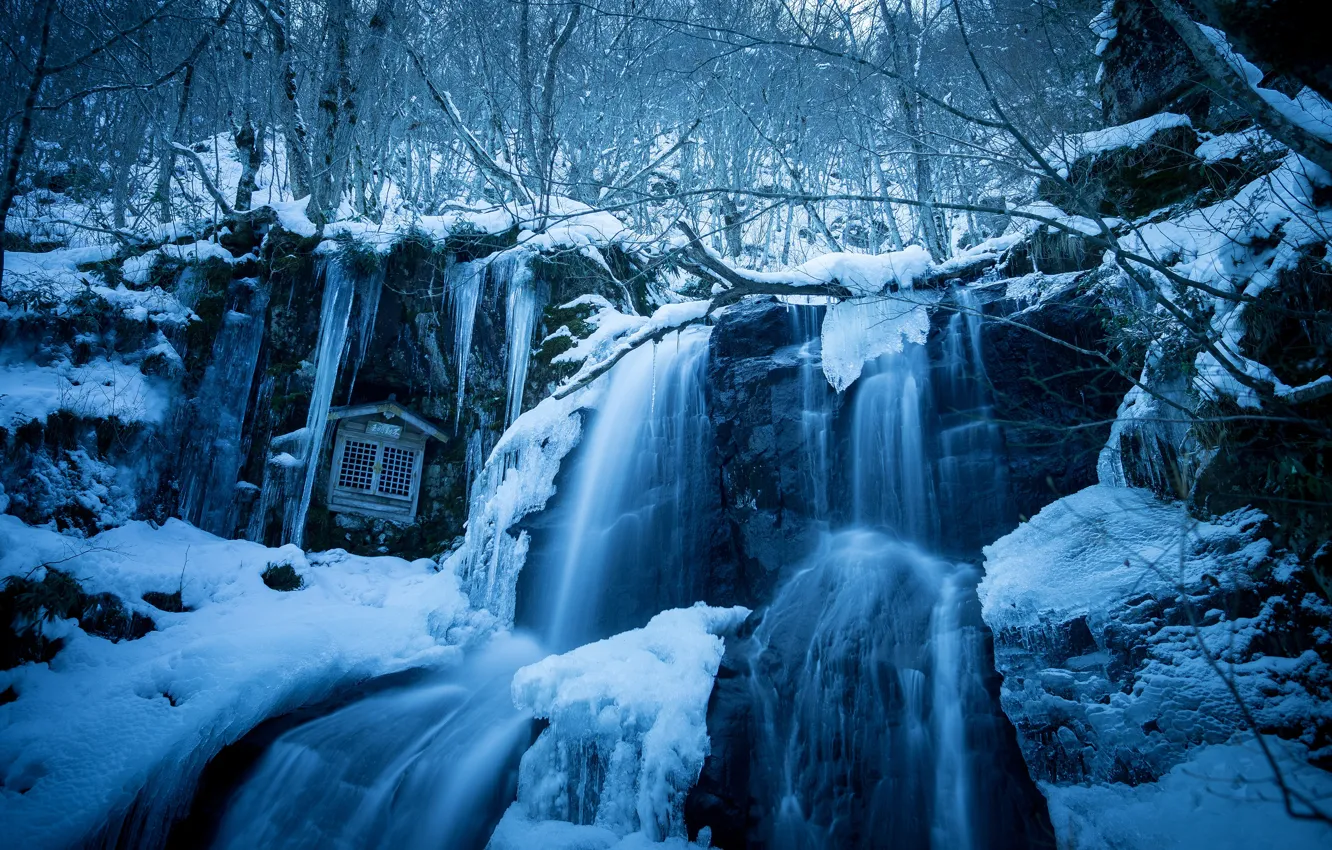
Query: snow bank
x=628 y=731
x=99 y=389
x=859 y=330
x=54 y=277
x=104 y=723
x=1098 y=545
x=1222 y=798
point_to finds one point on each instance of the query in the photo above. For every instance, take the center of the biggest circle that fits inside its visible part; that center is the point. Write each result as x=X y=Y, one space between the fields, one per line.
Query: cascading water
x=422 y=767
x=891 y=482
x=816 y=414
x=632 y=527
x=866 y=670
x=972 y=485
x=872 y=720
x=863 y=660
x=434 y=764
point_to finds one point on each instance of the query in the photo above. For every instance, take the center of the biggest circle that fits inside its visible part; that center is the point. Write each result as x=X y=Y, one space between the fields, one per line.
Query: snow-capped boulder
x=1133 y=640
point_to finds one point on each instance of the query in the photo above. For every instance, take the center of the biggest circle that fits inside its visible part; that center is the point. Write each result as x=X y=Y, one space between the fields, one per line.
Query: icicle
x=520 y=322
x=333 y=320
x=368 y=292
x=462 y=293
x=212 y=452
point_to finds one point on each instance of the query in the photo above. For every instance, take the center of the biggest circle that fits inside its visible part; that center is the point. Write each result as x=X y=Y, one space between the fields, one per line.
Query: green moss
x=283 y=577
x=359 y=259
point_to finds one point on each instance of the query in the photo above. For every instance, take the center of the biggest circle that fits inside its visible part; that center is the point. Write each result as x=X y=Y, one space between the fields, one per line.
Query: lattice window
x=358 y=465
x=395 y=476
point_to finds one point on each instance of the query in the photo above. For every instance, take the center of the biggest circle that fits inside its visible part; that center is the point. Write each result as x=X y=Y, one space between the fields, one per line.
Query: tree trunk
x=9 y=189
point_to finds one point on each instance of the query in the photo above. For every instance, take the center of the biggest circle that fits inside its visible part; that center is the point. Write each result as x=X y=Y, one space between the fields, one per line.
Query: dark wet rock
x=1055 y=403
x=755 y=401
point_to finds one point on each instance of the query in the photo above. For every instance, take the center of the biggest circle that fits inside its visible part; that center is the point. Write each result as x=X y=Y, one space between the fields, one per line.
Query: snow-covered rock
x=627 y=735
x=1121 y=625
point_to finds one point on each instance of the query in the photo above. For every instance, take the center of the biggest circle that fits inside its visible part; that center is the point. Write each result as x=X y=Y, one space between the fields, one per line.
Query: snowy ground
x=149 y=713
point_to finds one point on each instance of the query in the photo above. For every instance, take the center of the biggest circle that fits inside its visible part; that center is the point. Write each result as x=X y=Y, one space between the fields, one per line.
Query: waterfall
x=211 y=455
x=863 y=738
x=816 y=414
x=865 y=670
x=631 y=528
x=891 y=482
x=871 y=723
x=424 y=766
x=973 y=482
x=334 y=314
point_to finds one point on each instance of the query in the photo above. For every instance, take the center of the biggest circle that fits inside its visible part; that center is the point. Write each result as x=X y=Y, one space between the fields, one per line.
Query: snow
x=634 y=331
x=1222 y=797
x=1308 y=111
x=634 y=706
x=1227 y=246
x=54 y=276
x=291 y=215
x=99 y=389
x=858 y=330
x=866 y=274
x=1069 y=149
x=863 y=274
x=608 y=324
x=145 y=715
x=1084 y=551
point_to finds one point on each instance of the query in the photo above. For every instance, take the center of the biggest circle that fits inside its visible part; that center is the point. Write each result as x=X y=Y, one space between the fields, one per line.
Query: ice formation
x=628 y=733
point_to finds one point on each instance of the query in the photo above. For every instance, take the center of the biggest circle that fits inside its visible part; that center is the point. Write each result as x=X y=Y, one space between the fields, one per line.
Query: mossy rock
x=283 y=577
x=169 y=602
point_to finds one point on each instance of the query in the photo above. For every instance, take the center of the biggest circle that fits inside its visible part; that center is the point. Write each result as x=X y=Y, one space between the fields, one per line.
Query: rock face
x=1146 y=68
x=757 y=404
x=1055 y=403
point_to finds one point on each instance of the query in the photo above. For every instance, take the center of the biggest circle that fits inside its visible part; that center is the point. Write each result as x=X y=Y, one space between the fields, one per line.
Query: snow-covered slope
x=140 y=718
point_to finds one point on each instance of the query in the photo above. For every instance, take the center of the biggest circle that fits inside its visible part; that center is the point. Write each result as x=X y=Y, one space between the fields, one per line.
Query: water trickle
x=816 y=412
x=212 y=452
x=972 y=475
x=892 y=485
x=334 y=315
